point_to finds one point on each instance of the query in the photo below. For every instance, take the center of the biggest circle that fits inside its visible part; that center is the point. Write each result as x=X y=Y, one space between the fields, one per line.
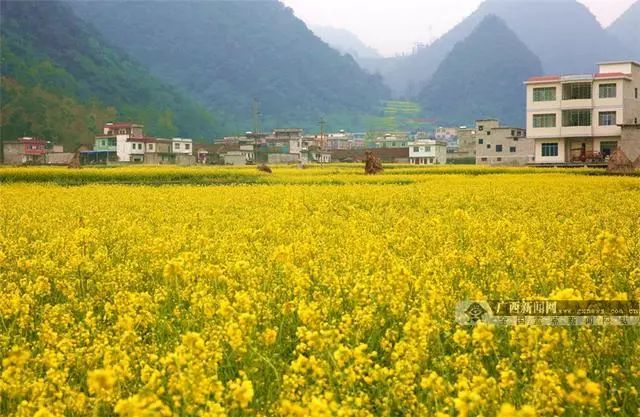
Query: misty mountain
x=627 y=29
x=62 y=82
x=563 y=34
x=226 y=53
x=346 y=42
x=482 y=77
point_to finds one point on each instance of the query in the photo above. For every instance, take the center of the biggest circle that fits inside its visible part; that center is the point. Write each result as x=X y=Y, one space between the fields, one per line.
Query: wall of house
x=283 y=158
x=14 y=153
x=549 y=159
x=630 y=141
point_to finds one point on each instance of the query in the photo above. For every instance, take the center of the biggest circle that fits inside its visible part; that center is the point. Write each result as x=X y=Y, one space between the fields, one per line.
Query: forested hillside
x=226 y=53
x=61 y=81
x=482 y=78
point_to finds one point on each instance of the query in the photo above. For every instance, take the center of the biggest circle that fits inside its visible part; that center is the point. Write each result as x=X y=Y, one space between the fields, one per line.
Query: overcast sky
x=395 y=26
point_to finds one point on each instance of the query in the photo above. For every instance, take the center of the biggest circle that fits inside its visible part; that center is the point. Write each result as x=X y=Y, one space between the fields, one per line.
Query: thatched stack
x=619 y=163
x=264 y=168
x=372 y=164
x=75 y=161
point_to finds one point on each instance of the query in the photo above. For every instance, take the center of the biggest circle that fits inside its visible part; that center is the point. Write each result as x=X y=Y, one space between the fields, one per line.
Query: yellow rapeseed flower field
x=316 y=292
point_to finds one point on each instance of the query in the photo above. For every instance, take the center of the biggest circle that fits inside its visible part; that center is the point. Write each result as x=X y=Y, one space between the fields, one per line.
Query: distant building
x=393 y=140
x=466 y=144
x=427 y=152
x=446 y=134
x=126 y=142
x=158 y=151
x=579 y=118
x=501 y=145
x=25 y=150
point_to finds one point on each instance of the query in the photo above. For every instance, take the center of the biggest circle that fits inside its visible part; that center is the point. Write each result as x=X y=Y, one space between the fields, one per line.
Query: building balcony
x=576 y=131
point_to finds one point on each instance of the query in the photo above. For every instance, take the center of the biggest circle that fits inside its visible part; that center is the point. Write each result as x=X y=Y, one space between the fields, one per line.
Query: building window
x=488 y=146
x=480 y=128
x=151 y=146
x=607 y=118
x=176 y=146
x=576 y=91
x=483 y=159
x=499 y=159
x=544 y=120
x=428 y=149
x=608 y=148
x=480 y=141
x=498 y=148
x=544 y=94
x=513 y=132
x=573 y=118
x=636 y=93
x=549 y=149
x=608 y=91
x=512 y=149
x=488 y=133
x=416 y=149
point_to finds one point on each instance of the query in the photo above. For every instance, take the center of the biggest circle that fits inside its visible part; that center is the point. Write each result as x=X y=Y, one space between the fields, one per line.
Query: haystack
x=264 y=168
x=619 y=163
x=372 y=164
x=75 y=161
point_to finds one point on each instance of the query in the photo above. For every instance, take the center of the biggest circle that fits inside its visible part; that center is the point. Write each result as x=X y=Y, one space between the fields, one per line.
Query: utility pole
x=323 y=145
x=256 y=116
x=322 y=125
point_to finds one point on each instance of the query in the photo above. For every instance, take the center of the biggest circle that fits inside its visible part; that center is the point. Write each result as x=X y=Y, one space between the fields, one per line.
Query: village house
x=501 y=145
x=25 y=150
x=580 y=118
x=126 y=142
x=427 y=152
x=392 y=140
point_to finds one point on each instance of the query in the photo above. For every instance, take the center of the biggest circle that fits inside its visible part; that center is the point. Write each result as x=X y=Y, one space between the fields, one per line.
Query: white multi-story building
x=182 y=146
x=578 y=118
x=427 y=152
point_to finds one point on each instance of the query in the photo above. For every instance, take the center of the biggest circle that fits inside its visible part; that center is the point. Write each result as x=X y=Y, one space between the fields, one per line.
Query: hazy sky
x=395 y=26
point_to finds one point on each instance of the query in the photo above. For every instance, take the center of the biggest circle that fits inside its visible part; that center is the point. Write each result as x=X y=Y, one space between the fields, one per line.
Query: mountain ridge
x=407 y=74
x=226 y=54
x=482 y=78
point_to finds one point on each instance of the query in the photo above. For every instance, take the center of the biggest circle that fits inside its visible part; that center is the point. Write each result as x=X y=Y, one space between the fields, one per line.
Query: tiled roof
x=544 y=78
x=117 y=125
x=143 y=139
x=611 y=75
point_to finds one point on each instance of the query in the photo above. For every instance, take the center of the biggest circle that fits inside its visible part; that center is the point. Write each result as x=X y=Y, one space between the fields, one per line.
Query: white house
x=182 y=146
x=578 y=118
x=427 y=152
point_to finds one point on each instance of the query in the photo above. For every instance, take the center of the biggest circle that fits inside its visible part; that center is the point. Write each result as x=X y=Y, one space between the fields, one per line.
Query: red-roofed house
x=578 y=118
x=24 y=150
